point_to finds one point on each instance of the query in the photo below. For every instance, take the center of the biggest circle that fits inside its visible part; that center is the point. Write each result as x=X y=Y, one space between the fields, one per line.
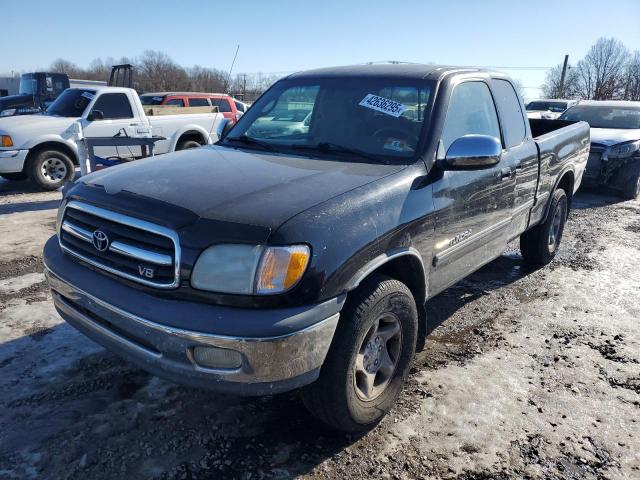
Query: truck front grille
x=125 y=246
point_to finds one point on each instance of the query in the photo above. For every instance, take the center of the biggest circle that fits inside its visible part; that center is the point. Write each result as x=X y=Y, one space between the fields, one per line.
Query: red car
x=230 y=108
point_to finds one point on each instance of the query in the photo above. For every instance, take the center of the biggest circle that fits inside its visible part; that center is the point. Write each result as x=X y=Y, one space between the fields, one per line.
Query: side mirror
x=221 y=129
x=95 y=115
x=472 y=152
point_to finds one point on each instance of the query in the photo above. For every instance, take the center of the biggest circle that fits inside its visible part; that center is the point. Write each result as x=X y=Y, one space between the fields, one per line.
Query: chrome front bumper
x=269 y=365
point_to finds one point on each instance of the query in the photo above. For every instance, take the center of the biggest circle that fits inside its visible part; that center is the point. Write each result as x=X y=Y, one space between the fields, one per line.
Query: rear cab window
x=198 y=102
x=222 y=104
x=175 y=102
x=152 y=99
x=511 y=116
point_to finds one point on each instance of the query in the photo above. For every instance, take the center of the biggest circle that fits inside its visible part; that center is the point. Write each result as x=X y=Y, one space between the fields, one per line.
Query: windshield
x=28 y=84
x=604 y=117
x=380 y=119
x=151 y=99
x=557 y=107
x=71 y=103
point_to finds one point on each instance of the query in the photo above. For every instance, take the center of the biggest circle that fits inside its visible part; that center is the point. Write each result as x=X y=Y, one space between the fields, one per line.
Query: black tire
x=186 y=144
x=14 y=176
x=631 y=190
x=540 y=244
x=50 y=169
x=336 y=397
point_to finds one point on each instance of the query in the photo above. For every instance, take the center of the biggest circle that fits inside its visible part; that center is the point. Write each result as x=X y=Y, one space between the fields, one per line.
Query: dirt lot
x=527 y=374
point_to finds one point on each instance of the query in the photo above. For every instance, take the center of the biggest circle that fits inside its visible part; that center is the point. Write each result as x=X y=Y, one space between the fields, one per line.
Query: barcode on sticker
x=384 y=105
x=88 y=95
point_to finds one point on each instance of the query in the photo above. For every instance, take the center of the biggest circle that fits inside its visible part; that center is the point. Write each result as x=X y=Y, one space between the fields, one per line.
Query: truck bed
x=560 y=143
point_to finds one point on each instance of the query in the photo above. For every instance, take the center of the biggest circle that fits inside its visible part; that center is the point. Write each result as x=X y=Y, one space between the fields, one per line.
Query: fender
x=50 y=138
x=380 y=260
x=549 y=196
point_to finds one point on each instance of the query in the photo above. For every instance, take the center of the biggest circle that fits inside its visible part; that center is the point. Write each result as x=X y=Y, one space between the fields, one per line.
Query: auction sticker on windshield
x=384 y=105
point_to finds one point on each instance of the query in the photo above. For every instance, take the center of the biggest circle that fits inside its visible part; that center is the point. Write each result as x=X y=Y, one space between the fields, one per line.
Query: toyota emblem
x=100 y=241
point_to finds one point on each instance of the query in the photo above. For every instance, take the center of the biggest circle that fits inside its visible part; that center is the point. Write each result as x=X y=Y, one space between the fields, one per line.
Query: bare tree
x=551 y=87
x=601 y=72
x=156 y=71
x=632 y=77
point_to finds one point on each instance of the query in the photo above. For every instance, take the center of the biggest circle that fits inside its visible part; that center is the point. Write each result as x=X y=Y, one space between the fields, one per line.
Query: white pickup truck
x=42 y=147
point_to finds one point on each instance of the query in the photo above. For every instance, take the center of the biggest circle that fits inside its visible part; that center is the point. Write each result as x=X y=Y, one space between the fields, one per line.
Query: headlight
x=5 y=141
x=624 y=149
x=250 y=269
x=7 y=112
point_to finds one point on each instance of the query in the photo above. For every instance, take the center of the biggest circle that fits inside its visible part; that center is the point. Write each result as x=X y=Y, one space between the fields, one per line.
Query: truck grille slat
x=135 y=249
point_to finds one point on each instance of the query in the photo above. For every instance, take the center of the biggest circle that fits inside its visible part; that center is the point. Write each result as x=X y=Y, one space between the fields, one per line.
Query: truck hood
x=237 y=186
x=23 y=128
x=612 y=136
x=15 y=101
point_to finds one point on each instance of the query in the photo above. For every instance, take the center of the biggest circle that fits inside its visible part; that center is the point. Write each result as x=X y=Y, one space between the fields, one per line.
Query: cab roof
x=389 y=69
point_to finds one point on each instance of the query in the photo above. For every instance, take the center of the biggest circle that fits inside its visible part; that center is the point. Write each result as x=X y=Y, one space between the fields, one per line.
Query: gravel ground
x=527 y=374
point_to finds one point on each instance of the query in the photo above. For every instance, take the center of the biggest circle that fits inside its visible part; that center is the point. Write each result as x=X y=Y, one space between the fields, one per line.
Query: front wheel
x=540 y=244
x=50 y=169
x=369 y=358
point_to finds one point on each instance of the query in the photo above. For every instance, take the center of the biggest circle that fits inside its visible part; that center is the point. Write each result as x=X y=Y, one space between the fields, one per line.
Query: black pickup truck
x=301 y=254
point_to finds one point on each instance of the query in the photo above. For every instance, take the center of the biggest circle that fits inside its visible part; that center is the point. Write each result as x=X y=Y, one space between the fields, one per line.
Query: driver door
x=117 y=114
x=473 y=206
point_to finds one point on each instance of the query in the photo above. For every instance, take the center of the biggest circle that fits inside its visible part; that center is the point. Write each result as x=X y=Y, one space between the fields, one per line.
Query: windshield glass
x=71 y=103
x=379 y=119
x=557 y=107
x=604 y=117
x=151 y=99
x=28 y=84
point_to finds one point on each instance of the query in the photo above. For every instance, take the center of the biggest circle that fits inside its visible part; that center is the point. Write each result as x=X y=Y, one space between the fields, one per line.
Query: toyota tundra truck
x=304 y=260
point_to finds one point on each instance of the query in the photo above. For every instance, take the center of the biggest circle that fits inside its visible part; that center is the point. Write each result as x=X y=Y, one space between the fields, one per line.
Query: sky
x=523 y=38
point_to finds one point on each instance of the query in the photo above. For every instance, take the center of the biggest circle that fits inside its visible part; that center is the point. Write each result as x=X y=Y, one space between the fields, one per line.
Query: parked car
x=41 y=147
x=269 y=264
x=282 y=124
x=225 y=103
x=38 y=90
x=614 y=159
x=548 y=108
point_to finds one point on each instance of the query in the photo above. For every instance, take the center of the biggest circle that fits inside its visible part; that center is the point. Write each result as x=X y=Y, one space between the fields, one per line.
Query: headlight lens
x=6 y=141
x=250 y=269
x=7 y=112
x=624 y=149
x=227 y=269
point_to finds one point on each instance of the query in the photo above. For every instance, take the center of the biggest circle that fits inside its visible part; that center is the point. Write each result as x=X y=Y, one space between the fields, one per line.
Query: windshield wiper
x=336 y=148
x=247 y=140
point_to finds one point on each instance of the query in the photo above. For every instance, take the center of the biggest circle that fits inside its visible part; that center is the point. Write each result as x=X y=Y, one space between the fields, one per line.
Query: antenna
x=231 y=69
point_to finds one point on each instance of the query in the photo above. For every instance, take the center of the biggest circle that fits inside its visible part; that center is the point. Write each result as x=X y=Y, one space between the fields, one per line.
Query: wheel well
x=61 y=147
x=191 y=135
x=409 y=270
x=566 y=183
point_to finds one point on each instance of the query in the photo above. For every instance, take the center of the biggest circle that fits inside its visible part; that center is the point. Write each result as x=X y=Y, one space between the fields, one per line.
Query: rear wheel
x=369 y=359
x=186 y=144
x=540 y=244
x=50 y=169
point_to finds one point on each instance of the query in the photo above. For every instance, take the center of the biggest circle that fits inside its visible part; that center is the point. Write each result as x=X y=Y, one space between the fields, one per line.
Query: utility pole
x=244 y=87
x=564 y=74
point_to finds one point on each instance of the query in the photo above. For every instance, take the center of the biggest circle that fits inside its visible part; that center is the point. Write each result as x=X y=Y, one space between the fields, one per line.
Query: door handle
x=506 y=173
